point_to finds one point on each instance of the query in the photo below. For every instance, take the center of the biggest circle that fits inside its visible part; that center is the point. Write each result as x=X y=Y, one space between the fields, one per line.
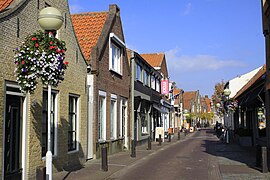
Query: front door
x=13 y=145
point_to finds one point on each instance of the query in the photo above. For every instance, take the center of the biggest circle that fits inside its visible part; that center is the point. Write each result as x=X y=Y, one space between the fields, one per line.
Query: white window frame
x=77 y=97
x=55 y=102
x=113 y=117
x=116 y=43
x=123 y=103
x=102 y=136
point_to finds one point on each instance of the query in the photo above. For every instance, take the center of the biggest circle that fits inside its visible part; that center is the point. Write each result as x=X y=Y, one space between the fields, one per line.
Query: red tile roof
x=4 y=4
x=187 y=98
x=88 y=27
x=154 y=59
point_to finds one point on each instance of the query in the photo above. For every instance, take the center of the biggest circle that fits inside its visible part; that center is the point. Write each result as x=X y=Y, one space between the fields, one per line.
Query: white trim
x=115 y=38
x=102 y=93
x=104 y=119
x=90 y=138
x=114 y=119
x=114 y=96
x=77 y=97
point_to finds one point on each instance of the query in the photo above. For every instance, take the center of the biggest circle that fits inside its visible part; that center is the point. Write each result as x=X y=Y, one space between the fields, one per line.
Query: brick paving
x=229 y=162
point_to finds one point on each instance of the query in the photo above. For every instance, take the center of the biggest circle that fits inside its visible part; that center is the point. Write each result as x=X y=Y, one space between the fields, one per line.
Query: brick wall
x=74 y=83
x=108 y=81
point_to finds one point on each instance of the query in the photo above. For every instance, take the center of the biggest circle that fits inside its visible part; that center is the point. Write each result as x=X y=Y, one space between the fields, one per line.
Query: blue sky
x=205 y=41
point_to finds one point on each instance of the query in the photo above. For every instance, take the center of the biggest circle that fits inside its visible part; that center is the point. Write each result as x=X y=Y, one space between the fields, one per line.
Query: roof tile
x=88 y=28
x=4 y=4
x=154 y=59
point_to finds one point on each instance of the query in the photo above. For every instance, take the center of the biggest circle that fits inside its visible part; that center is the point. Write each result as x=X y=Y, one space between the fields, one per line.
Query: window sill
x=73 y=151
x=115 y=72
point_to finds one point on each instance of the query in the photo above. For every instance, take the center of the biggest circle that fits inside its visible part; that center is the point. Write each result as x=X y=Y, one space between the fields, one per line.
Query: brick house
x=23 y=115
x=101 y=38
x=192 y=104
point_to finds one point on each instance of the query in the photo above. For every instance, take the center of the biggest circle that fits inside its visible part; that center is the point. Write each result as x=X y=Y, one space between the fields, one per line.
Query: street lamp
x=50 y=19
x=227 y=92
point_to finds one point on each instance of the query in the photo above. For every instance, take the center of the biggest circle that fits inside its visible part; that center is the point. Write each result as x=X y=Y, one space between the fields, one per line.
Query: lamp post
x=50 y=19
x=227 y=93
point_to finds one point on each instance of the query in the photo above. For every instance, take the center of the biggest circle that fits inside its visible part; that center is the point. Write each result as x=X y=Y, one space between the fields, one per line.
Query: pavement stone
x=229 y=162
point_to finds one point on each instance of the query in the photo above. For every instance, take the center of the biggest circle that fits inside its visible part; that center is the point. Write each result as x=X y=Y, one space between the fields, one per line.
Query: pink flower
x=23 y=62
x=66 y=63
x=34 y=38
x=51 y=43
x=36 y=44
x=51 y=47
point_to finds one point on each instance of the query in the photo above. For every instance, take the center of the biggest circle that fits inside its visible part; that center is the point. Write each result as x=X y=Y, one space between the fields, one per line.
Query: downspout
x=90 y=91
x=132 y=59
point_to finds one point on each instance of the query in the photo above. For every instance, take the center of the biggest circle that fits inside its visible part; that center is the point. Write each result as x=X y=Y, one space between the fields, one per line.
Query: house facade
x=102 y=40
x=145 y=94
x=23 y=117
x=192 y=107
x=158 y=62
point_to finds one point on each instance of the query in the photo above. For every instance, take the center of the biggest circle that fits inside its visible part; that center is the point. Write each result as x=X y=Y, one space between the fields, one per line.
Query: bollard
x=258 y=156
x=178 y=135
x=169 y=137
x=104 y=158
x=264 y=160
x=159 y=140
x=133 y=148
x=149 y=143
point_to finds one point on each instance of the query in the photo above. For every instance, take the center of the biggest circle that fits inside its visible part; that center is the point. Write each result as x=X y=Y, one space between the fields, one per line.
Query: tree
x=219 y=87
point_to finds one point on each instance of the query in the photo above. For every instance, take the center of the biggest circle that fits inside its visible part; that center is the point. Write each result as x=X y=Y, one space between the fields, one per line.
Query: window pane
x=72 y=126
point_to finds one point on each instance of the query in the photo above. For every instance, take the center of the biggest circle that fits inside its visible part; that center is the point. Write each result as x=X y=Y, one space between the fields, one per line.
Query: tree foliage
x=218 y=90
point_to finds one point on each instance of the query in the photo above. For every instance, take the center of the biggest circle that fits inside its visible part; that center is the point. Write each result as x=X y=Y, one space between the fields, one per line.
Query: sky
x=204 y=41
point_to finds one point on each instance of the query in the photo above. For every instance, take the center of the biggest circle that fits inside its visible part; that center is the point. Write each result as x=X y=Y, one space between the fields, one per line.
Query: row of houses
x=111 y=95
x=246 y=106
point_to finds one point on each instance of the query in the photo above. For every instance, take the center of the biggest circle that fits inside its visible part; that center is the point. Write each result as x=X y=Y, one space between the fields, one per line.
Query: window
x=123 y=114
x=146 y=78
x=158 y=85
x=45 y=123
x=153 y=82
x=73 y=123
x=116 y=58
x=139 y=72
x=102 y=116
x=116 y=53
x=113 y=117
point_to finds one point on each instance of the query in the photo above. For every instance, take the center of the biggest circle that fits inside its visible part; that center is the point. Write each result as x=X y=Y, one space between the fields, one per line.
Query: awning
x=159 y=109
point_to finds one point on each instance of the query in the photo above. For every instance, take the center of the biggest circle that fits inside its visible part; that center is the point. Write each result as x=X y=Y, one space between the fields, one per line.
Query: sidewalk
x=229 y=161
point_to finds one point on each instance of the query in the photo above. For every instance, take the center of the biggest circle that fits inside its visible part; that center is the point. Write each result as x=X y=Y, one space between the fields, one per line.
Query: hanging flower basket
x=40 y=56
x=231 y=105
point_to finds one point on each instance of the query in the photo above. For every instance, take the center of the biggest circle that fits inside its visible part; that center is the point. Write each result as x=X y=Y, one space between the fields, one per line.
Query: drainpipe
x=133 y=125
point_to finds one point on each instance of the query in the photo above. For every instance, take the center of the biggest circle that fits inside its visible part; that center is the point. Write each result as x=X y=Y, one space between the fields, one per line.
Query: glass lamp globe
x=50 y=18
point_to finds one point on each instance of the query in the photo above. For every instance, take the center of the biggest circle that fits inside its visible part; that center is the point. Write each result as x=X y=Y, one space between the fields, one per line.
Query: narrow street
x=189 y=159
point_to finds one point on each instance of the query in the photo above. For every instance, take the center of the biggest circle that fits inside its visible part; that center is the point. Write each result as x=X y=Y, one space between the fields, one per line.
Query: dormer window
x=116 y=54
